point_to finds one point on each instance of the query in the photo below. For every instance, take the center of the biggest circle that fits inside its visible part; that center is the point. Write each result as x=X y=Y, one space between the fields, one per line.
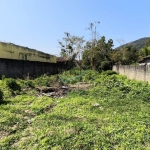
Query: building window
x=25 y=58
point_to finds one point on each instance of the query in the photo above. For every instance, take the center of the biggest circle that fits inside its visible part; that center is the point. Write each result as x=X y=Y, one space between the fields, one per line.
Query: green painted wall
x=12 y=51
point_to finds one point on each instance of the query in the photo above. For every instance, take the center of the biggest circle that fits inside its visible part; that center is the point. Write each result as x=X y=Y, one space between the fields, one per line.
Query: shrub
x=109 y=72
x=46 y=80
x=12 y=84
x=29 y=83
x=90 y=75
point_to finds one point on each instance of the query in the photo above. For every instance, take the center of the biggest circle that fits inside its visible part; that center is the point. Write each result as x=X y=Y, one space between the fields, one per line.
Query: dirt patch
x=81 y=86
x=61 y=91
x=3 y=134
x=54 y=92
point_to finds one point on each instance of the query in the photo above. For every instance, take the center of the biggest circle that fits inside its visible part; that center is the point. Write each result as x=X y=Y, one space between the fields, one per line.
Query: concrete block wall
x=21 y=68
x=141 y=73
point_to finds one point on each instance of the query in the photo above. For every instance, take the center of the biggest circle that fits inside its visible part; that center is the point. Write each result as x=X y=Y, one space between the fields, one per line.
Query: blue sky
x=39 y=24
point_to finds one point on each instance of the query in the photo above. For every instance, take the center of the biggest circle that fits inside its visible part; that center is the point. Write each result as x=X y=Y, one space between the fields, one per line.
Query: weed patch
x=112 y=113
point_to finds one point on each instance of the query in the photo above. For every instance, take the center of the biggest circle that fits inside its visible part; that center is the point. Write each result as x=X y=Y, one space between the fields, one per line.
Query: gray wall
x=141 y=73
x=21 y=68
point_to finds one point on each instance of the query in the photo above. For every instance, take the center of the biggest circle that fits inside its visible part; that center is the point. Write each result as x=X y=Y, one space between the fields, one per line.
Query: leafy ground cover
x=112 y=114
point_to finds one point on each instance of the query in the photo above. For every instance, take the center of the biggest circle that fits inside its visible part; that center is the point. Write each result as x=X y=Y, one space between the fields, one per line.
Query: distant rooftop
x=61 y=59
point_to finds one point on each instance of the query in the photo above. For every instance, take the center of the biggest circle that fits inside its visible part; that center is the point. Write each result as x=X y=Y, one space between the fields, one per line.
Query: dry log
x=47 y=89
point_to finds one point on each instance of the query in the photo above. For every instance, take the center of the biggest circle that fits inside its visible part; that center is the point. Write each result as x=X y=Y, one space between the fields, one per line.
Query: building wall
x=12 y=51
x=141 y=73
x=147 y=60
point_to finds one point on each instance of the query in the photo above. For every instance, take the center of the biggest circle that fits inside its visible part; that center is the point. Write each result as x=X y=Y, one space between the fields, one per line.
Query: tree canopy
x=97 y=57
x=98 y=53
x=71 y=48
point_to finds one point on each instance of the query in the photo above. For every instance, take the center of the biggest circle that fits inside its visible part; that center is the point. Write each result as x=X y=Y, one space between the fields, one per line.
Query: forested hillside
x=138 y=44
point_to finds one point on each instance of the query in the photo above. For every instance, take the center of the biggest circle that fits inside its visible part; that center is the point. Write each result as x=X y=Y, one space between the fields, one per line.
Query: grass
x=113 y=114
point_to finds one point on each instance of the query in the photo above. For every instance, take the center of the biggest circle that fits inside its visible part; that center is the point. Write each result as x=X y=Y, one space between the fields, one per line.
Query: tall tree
x=125 y=55
x=72 y=47
x=94 y=34
x=98 y=56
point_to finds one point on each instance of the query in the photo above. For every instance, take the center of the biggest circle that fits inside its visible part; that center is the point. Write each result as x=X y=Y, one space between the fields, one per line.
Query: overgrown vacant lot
x=112 y=114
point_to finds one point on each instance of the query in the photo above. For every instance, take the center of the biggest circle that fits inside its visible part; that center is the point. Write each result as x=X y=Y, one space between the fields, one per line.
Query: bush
x=45 y=80
x=12 y=84
x=109 y=72
x=90 y=75
x=29 y=83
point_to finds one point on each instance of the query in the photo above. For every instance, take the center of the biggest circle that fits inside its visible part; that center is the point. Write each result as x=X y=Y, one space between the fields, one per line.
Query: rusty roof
x=62 y=59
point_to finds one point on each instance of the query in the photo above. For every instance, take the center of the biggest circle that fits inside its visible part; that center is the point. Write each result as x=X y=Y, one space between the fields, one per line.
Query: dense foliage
x=97 y=57
x=112 y=114
x=130 y=54
x=138 y=44
x=126 y=56
x=145 y=50
x=98 y=54
x=71 y=48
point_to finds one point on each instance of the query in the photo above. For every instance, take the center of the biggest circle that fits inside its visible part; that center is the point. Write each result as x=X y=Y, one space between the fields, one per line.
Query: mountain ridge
x=138 y=44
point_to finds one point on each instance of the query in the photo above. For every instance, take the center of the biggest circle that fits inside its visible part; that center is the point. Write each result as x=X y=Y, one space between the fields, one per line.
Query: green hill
x=138 y=44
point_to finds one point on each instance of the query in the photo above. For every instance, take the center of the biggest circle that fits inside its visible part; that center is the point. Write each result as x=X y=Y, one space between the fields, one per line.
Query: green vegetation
x=112 y=114
x=145 y=50
x=98 y=54
x=131 y=53
x=138 y=44
x=71 y=48
x=126 y=55
x=96 y=57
